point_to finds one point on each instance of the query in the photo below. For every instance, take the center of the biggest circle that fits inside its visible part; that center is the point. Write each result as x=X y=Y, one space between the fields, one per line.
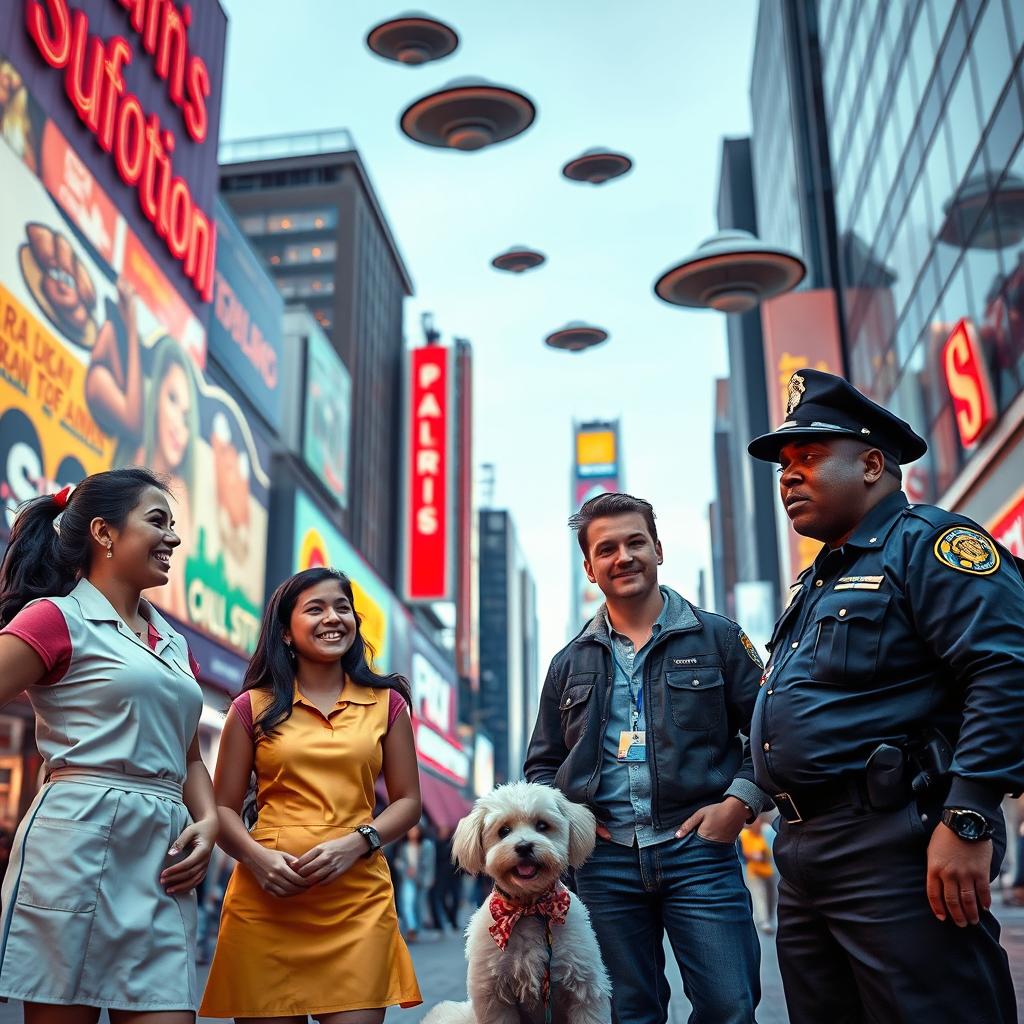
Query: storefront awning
x=443 y=804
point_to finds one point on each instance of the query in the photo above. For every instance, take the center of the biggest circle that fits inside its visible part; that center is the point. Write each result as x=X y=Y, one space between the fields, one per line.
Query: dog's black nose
x=524 y=849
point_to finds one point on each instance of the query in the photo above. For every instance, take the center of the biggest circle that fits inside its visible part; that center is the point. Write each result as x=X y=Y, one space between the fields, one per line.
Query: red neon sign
x=428 y=534
x=1008 y=526
x=969 y=383
x=141 y=148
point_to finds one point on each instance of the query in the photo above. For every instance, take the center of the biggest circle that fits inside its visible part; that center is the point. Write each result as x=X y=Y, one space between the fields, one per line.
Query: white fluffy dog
x=530 y=947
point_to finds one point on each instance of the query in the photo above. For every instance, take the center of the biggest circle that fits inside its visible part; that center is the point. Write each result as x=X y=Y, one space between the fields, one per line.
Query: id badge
x=632 y=745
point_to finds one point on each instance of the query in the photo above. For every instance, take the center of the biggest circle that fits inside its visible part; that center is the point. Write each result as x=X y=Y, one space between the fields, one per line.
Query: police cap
x=823 y=405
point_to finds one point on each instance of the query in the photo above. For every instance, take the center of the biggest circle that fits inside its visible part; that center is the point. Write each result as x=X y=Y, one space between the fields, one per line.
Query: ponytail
x=46 y=558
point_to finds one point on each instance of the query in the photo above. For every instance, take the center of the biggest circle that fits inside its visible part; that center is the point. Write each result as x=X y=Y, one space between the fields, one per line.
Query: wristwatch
x=369 y=833
x=970 y=826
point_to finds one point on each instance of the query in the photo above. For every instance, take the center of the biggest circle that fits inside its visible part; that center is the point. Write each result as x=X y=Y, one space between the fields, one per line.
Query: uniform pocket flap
x=696 y=679
x=866 y=608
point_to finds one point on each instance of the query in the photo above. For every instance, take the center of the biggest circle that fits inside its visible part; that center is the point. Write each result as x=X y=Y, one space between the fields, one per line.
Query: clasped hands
x=284 y=874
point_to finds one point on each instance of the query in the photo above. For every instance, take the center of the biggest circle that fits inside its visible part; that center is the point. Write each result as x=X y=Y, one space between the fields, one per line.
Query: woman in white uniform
x=98 y=907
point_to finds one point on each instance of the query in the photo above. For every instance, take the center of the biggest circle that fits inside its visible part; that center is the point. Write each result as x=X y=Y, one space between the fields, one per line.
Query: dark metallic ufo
x=576 y=336
x=732 y=272
x=597 y=166
x=517 y=259
x=468 y=114
x=412 y=38
x=971 y=223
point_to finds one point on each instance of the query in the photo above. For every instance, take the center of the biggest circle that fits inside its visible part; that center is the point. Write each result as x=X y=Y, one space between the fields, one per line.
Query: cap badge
x=795 y=391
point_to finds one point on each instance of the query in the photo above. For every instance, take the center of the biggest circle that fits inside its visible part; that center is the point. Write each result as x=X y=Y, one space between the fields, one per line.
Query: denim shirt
x=625 y=786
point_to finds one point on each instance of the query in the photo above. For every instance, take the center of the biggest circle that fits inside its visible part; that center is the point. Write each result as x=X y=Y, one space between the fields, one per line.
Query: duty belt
x=800 y=805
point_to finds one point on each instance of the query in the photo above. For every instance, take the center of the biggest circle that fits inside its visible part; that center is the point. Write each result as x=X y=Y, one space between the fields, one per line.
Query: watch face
x=969 y=824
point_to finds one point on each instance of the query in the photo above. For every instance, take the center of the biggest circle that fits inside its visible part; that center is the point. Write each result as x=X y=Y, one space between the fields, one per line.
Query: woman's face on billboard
x=174 y=403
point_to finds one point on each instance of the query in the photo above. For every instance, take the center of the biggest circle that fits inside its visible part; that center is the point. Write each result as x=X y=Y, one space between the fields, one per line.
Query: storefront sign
x=428 y=530
x=327 y=415
x=319 y=542
x=969 y=383
x=246 y=335
x=1008 y=526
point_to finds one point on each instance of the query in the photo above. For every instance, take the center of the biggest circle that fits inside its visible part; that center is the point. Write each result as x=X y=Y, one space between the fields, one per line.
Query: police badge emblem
x=794 y=392
x=967 y=550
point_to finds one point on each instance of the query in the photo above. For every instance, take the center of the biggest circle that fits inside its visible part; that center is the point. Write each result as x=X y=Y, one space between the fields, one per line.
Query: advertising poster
x=246 y=332
x=328 y=416
x=319 y=542
x=92 y=377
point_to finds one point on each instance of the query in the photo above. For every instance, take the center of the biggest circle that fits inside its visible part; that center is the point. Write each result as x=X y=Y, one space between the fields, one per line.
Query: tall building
x=307 y=205
x=922 y=115
x=509 y=684
x=746 y=561
x=596 y=469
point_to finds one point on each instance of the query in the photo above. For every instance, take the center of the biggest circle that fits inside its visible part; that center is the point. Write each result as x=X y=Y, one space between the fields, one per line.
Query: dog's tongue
x=526 y=870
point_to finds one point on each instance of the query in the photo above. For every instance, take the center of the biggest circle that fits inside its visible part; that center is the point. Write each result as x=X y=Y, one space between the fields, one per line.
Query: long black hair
x=271 y=666
x=46 y=559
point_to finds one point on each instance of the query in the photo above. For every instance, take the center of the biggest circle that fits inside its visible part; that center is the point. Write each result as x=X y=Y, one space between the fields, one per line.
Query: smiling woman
x=114 y=689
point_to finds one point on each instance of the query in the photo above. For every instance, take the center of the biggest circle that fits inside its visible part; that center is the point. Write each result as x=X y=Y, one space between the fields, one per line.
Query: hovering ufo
x=576 y=336
x=468 y=114
x=412 y=38
x=732 y=272
x=517 y=259
x=969 y=225
x=597 y=166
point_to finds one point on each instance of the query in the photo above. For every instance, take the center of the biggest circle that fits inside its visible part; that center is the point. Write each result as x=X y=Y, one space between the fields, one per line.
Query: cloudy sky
x=662 y=80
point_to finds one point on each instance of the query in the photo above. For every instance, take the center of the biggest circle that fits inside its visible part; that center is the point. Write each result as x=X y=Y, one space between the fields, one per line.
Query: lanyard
x=637 y=700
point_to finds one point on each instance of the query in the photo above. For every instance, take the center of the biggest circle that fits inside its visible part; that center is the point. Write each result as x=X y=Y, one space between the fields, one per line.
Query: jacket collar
x=873 y=529
x=677 y=617
x=96 y=608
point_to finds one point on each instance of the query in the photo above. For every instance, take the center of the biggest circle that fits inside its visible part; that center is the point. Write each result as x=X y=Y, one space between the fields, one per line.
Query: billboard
x=133 y=89
x=429 y=520
x=435 y=712
x=93 y=377
x=327 y=414
x=246 y=334
x=318 y=541
x=595 y=471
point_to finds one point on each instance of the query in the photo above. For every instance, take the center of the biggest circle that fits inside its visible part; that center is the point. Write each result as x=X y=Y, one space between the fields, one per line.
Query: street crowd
x=847 y=795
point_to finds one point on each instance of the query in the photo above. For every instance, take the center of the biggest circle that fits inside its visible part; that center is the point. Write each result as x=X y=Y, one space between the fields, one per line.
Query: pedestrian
x=448 y=883
x=98 y=903
x=760 y=874
x=415 y=865
x=308 y=926
x=888 y=728
x=642 y=717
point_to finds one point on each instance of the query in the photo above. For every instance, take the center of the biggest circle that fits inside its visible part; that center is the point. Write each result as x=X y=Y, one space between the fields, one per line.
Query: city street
x=440 y=968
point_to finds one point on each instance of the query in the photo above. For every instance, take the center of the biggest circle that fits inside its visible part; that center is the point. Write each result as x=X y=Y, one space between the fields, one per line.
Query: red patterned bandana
x=553 y=907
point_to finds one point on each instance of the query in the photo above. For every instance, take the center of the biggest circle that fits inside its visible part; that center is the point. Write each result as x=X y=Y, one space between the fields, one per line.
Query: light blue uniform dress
x=85 y=919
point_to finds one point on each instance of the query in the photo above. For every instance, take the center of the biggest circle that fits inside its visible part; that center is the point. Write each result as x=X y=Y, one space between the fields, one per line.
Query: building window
x=300 y=253
x=292 y=221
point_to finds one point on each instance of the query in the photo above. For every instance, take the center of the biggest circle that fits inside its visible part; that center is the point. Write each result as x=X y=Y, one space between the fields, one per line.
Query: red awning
x=442 y=802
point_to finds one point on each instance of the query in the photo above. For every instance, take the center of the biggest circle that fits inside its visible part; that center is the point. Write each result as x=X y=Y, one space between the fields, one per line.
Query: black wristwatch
x=369 y=833
x=970 y=826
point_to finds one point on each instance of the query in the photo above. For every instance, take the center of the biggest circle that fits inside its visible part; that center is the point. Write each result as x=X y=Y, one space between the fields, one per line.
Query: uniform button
x=842 y=612
x=819 y=583
x=770 y=692
x=696 y=682
x=767 y=746
x=568 y=701
x=795 y=644
x=871 y=540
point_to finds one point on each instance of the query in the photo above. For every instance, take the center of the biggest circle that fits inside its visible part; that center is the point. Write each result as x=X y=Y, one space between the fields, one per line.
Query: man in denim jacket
x=644 y=718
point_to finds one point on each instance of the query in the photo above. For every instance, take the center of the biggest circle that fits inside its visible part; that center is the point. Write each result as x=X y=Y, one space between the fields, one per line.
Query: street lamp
x=597 y=166
x=576 y=336
x=732 y=272
x=966 y=225
x=412 y=38
x=517 y=259
x=468 y=114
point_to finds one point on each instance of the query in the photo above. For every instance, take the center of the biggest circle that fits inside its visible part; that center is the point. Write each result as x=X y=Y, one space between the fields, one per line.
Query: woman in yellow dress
x=308 y=925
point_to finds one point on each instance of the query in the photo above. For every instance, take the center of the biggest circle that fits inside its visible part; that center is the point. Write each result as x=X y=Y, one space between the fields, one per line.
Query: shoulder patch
x=748 y=646
x=967 y=550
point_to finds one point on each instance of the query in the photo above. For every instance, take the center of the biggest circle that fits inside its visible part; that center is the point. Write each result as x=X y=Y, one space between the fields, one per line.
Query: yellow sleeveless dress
x=336 y=946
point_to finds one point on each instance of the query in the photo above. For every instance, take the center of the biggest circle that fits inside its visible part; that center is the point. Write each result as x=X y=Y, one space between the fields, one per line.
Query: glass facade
x=925 y=104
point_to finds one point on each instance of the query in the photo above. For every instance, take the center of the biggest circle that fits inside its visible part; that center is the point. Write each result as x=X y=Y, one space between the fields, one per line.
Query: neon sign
x=142 y=148
x=969 y=383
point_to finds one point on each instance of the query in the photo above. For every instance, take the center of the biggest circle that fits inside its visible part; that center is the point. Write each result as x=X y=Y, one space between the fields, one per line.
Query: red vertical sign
x=428 y=484
x=969 y=383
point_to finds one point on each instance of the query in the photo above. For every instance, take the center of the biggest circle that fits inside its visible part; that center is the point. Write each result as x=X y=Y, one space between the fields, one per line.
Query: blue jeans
x=692 y=890
x=409 y=904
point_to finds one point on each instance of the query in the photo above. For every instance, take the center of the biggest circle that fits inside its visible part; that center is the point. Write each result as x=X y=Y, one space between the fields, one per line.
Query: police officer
x=888 y=727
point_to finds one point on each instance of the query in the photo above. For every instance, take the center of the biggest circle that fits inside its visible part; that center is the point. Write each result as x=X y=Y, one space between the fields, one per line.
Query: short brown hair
x=614 y=503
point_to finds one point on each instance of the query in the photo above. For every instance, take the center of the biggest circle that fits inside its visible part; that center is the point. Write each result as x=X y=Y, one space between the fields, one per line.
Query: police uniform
x=905 y=640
